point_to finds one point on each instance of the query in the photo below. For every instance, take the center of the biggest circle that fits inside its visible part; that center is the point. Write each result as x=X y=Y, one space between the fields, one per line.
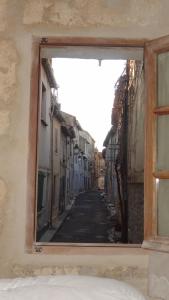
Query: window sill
x=157 y=244
x=88 y=249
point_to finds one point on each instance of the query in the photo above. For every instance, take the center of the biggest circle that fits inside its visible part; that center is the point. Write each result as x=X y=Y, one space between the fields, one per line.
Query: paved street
x=87 y=222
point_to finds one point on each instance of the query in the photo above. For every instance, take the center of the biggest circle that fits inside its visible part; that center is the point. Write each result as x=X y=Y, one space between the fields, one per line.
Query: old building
x=99 y=170
x=73 y=163
x=56 y=162
x=66 y=163
x=86 y=156
x=47 y=101
x=124 y=152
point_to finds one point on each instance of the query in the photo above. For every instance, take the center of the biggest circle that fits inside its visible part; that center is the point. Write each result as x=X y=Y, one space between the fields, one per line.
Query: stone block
x=159 y=275
x=34 y=11
x=4 y=121
x=8 y=75
x=3 y=193
x=3 y=12
x=86 y=13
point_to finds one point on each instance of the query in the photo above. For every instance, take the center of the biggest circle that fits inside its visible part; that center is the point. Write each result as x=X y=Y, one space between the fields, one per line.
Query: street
x=87 y=222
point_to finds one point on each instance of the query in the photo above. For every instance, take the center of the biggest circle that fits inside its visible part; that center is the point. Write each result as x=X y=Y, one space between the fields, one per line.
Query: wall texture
x=20 y=20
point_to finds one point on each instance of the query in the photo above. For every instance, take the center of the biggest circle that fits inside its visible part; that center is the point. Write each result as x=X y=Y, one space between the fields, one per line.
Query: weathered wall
x=136 y=210
x=19 y=21
x=136 y=154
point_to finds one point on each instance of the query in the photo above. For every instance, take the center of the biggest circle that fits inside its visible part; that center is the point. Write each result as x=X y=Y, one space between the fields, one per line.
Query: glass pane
x=163 y=79
x=162 y=207
x=163 y=143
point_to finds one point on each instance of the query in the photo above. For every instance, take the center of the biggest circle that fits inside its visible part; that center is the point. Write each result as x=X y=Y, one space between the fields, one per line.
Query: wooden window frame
x=31 y=246
x=151 y=238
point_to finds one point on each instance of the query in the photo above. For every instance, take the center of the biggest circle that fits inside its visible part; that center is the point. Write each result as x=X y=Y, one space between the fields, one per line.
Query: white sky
x=86 y=91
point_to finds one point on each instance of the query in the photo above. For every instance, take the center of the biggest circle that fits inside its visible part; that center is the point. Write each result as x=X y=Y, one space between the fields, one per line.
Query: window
x=156 y=231
x=157 y=146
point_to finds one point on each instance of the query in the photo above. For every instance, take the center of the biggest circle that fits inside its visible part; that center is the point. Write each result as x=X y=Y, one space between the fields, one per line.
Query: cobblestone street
x=87 y=222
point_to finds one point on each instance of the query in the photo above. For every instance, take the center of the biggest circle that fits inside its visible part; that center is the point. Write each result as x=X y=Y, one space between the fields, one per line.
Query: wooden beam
x=90 y=41
x=161 y=110
x=161 y=175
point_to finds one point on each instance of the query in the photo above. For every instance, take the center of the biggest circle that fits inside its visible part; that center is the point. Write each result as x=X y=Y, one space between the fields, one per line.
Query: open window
x=156 y=166
x=157 y=145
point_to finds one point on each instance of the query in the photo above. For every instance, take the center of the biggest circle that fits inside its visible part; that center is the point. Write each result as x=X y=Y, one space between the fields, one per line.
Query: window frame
x=151 y=239
x=31 y=246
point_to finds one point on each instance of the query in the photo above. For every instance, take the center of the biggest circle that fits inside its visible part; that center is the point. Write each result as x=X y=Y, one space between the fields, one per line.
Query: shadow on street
x=87 y=222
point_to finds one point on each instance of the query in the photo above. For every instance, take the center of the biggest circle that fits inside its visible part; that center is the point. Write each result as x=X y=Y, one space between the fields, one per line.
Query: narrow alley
x=87 y=222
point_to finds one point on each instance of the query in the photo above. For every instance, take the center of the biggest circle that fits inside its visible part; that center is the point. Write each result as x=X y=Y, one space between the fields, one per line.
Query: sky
x=86 y=90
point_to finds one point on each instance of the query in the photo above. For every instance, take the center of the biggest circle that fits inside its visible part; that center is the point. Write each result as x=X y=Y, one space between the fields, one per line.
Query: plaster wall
x=20 y=20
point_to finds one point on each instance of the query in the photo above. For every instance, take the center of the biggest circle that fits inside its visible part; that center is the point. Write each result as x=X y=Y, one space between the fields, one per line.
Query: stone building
x=121 y=23
x=135 y=150
x=124 y=153
x=56 y=162
x=99 y=170
x=45 y=147
x=86 y=156
x=66 y=163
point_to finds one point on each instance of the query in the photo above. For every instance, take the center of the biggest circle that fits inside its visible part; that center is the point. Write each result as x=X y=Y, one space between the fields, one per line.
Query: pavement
x=88 y=221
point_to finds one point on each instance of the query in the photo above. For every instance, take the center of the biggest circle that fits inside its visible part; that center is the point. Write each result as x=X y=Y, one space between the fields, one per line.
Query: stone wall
x=136 y=136
x=20 y=20
x=136 y=212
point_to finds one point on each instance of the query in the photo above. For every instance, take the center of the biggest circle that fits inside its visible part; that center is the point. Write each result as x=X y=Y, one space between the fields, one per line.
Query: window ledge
x=85 y=249
x=161 y=245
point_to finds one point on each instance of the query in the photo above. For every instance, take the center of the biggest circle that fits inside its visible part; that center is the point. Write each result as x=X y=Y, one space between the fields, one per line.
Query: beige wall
x=19 y=21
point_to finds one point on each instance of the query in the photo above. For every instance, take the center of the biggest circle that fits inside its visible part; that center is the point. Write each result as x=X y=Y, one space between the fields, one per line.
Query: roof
x=89 y=135
x=71 y=120
x=109 y=135
x=68 y=124
x=57 y=114
x=49 y=73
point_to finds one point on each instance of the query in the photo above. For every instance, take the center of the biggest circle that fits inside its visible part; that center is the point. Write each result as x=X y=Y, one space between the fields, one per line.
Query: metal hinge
x=44 y=40
x=38 y=249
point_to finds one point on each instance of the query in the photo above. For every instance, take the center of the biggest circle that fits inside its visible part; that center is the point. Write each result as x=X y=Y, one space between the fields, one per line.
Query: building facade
x=124 y=150
x=47 y=101
x=99 y=170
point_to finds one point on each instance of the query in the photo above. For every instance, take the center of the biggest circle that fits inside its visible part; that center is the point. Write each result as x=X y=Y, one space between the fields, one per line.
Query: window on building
x=156 y=171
